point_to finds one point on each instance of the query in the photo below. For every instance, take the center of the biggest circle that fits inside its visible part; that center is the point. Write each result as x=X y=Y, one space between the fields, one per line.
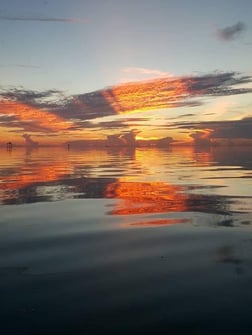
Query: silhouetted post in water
x=9 y=146
x=68 y=146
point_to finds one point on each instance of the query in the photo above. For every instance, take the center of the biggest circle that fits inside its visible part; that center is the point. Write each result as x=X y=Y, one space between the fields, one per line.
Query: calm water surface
x=126 y=242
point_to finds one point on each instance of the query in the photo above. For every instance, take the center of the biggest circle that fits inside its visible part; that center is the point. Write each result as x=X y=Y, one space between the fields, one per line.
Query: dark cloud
x=115 y=124
x=219 y=129
x=135 y=119
x=231 y=32
x=233 y=129
x=126 y=138
x=248 y=118
x=218 y=84
x=86 y=106
x=102 y=125
x=201 y=137
x=47 y=99
x=185 y=115
x=82 y=124
x=112 y=124
x=30 y=126
x=6 y=119
x=41 y=19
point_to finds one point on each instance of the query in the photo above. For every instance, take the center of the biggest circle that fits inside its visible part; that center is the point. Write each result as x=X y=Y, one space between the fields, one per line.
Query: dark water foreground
x=113 y=244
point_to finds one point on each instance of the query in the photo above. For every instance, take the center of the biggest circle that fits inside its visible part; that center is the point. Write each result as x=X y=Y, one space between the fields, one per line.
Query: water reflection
x=144 y=181
x=157 y=197
x=99 y=257
x=227 y=254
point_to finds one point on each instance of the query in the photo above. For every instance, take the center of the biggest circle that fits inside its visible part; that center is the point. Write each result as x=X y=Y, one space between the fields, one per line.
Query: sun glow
x=141 y=138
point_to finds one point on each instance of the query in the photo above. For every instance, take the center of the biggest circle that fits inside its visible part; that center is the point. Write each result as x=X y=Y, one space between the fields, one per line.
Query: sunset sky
x=81 y=70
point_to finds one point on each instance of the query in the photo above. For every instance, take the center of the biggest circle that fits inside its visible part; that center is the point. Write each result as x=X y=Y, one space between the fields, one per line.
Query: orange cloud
x=32 y=118
x=148 y=95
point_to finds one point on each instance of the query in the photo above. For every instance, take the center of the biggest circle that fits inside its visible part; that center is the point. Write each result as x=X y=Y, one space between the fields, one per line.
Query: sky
x=75 y=70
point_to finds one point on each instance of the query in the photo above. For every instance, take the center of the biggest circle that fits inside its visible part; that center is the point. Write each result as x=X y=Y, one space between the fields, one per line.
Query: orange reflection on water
x=19 y=171
x=22 y=172
x=146 y=197
x=149 y=95
x=39 y=174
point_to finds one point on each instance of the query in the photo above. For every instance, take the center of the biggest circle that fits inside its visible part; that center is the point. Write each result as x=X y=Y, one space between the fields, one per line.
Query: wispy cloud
x=141 y=73
x=231 y=32
x=186 y=115
x=20 y=66
x=42 y=19
x=145 y=71
x=28 y=66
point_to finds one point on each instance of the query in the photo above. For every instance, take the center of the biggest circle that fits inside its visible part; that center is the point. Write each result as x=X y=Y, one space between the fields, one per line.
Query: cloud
x=101 y=125
x=82 y=124
x=202 y=137
x=185 y=115
x=52 y=110
x=161 y=93
x=124 y=139
x=218 y=129
x=143 y=70
x=26 y=66
x=42 y=19
x=27 y=95
x=233 y=129
x=231 y=32
x=5 y=119
x=121 y=123
x=31 y=118
x=141 y=73
x=112 y=124
x=43 y=99
x=172 y=92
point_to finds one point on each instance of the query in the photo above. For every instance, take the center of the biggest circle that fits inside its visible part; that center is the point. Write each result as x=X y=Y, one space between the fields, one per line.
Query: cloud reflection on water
x=144 y=183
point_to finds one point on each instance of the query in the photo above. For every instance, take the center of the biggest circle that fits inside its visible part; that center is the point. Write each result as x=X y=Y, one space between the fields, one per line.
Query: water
x=126 y=242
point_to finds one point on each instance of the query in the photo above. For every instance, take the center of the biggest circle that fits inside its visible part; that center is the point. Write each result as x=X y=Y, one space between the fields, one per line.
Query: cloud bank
x=52 y=111
x=235 y=129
